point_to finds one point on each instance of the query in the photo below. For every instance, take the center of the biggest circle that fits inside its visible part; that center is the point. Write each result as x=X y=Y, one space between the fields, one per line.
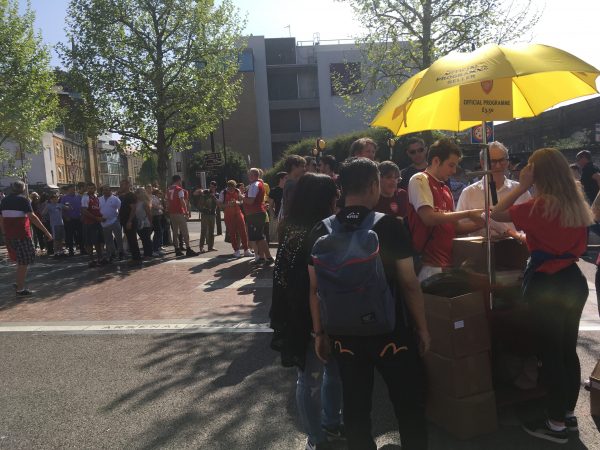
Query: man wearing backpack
x=394 y=348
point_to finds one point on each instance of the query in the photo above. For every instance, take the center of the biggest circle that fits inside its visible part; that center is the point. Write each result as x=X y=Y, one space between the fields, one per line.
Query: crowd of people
x=414 y=215
x=356 y=231
x=108 y=225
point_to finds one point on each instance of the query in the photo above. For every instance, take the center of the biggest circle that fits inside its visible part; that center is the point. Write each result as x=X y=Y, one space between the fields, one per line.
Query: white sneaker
x=155 y=254
x=237 y=254
x=248 y=253
x=161 y=253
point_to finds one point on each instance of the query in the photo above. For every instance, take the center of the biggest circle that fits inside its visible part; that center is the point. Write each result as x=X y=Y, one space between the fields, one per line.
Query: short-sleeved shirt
x=394 y=244
x=396 y=205
x=109 y=208
x=435 y=243
x=406 y=174
x=288 y=191
x=256 y=191
x=548 y=235
x=14 y=209
x=55 y=213
x=92 y=205
x=276 y=195
x=74 y=202
x=472 y=197
x=174 y=195
x=590 y=186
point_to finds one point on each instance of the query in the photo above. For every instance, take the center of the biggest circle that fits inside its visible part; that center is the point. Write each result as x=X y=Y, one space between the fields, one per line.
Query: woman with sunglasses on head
x=555 y=222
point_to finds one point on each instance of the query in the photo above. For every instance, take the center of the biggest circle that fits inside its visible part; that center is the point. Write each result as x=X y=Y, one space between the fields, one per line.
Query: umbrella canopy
x=538 y=77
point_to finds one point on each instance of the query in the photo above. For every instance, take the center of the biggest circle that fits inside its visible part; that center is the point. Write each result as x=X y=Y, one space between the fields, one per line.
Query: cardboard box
x=458 y=326
x=463 y=417
x=461 y=377
x=595 y=391
x=507 y=254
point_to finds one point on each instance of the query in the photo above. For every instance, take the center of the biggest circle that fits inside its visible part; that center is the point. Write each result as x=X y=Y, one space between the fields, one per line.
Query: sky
x=571 y=25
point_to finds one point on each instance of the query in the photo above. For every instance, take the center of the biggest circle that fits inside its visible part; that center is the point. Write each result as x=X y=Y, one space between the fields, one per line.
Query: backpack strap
x=371 y=220
x=332 y=224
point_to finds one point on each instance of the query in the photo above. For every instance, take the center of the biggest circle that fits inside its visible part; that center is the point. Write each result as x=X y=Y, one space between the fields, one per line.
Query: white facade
x=43 y=165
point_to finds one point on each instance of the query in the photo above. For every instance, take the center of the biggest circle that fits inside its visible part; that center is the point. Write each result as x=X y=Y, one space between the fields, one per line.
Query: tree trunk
x=162 y=153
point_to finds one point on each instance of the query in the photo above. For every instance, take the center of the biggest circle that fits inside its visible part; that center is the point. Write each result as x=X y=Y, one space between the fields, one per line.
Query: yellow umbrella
x=531 y=78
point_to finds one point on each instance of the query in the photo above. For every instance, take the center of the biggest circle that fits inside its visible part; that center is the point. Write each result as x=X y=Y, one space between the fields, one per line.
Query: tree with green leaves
x=406 y=36
x=160 y=73
x=148 y=171
x=28 y=102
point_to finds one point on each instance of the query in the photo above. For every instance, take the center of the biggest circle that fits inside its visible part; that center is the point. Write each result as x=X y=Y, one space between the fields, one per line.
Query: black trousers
x=73 y=229
x=400 y=366
x=556 y=303
x=145 y=234
x=598 y=288
x=132 y=242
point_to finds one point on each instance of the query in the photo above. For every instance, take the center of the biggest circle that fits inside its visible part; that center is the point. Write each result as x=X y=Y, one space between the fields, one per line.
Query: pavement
x=175 y=354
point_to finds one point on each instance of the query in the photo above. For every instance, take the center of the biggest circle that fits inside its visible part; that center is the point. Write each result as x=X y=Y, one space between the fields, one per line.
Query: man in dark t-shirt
x=127 y=219
x=417 y=152
x=396 y=354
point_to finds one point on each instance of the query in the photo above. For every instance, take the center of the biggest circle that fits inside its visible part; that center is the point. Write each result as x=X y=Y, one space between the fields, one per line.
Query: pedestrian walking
x=92 y=230
x=15 y=218
x=111 y=228
x=179 y=213
x=143 y=216
x=72 y=218
x=127 y=219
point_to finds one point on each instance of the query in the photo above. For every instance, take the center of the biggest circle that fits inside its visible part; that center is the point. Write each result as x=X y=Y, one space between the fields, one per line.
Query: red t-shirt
x=434 y=243
x=174 y=196
x=256 y=191
x=548 y=235
x=14 y=209
x=92 y=204
x=396 y=205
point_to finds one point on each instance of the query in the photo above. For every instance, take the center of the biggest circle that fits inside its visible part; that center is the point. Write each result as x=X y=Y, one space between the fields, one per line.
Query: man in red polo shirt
x=432 y=220
x=179 y=213
x=256 y=217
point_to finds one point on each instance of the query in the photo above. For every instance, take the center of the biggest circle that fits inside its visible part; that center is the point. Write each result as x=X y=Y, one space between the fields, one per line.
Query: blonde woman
x=555 y=221
x=143 y=215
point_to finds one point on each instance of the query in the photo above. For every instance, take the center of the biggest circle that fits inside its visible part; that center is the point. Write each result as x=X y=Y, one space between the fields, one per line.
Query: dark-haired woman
x=555 y=222
x=318 y=390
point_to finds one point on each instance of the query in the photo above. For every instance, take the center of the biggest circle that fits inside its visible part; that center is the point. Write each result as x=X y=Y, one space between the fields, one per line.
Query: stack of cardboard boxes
x=460 y=395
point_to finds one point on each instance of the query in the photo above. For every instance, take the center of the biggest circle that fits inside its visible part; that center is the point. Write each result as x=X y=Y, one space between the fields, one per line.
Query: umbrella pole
x=486 y=191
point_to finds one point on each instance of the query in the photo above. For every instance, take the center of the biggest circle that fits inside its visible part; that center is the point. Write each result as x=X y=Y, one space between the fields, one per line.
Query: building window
x=345 y=78
x=246 y=60
x=178 y=164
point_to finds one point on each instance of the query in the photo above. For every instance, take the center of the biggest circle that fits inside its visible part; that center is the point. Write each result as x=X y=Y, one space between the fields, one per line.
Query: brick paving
x=212 y=286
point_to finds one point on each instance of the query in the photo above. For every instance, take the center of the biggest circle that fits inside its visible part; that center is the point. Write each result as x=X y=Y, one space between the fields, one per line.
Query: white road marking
x=204 y=326
x=232 y=283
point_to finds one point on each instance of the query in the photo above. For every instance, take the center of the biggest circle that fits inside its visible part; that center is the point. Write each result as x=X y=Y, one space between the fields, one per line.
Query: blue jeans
x=318 y=395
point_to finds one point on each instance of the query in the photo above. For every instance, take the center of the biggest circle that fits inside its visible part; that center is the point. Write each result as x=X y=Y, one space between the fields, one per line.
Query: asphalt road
x=193 y=391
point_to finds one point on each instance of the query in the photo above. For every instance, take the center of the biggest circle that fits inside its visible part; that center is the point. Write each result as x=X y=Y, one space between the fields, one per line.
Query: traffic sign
x=212 y=160
x=477 y=135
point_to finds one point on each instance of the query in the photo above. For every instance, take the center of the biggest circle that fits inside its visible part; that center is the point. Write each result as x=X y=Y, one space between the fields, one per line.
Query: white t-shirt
x=109 y=208
x=473 y=197
x=253 y=190
x=419 y=192
x=85 y=200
